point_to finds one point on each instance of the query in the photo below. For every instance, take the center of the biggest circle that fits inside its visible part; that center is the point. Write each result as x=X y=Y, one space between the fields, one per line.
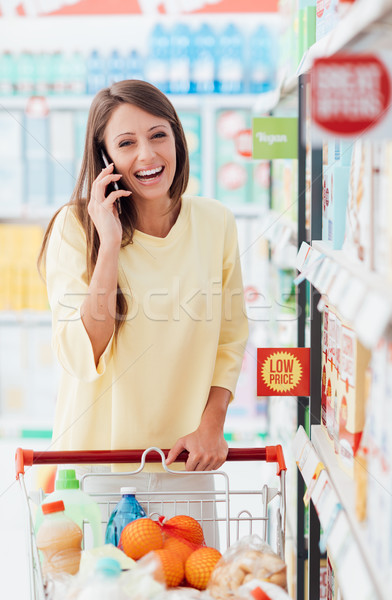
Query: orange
x=140 y=537
x=185 y=527
x=171 y=567
x=181 y=548
x=199 y=566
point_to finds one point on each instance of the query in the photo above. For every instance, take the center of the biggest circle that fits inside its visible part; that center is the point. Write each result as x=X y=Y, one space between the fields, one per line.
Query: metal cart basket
x=216 y=507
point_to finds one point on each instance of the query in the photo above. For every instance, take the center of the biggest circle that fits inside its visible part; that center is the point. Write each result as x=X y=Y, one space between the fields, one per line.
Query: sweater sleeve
x=67 y=285
x=234 y=322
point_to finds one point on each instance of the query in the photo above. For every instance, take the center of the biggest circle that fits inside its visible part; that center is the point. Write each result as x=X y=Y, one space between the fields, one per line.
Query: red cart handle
x=29 y=457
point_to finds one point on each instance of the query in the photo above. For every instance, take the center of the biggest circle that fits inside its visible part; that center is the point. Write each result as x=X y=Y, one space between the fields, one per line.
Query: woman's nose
x=146 y=150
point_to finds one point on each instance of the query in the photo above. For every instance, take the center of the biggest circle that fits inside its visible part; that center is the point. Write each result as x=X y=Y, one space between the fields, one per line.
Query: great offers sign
x=275 y=137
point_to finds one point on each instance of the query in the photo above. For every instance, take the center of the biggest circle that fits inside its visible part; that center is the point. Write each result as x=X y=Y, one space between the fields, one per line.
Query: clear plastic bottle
x=127 y=510
x=96 y=78
x=261 y=61
x=79 y=506
x=134 y=66
x=157 y=64
x=230 y=69
x=59 y=539
x=105 y=584
x=7 y=74
x=203 y=60
x=180 y=59
x=26 y=74
x=115 y=67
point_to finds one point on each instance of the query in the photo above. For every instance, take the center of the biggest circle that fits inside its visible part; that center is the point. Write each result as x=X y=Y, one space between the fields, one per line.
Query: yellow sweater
x=186 y=331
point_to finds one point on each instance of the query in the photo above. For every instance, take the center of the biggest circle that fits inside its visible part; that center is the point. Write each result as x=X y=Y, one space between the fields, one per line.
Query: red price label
x=350 y=93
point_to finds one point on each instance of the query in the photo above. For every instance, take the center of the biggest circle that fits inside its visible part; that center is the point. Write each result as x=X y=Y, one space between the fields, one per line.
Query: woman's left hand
x=206 y=446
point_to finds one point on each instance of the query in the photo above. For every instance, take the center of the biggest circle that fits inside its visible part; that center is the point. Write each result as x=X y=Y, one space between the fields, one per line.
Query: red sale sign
x=283 y=371
x=351 y=95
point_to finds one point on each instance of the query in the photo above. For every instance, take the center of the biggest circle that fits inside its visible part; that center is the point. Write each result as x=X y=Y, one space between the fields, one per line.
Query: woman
x=148 y=318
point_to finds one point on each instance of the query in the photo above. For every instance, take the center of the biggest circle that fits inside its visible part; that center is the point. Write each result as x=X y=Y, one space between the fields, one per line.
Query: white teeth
x=149 y=172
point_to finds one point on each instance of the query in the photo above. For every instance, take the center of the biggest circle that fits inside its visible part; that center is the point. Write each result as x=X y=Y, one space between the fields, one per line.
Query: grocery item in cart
x=60 y=539
x=250 y=558
x=79 y=506
x=105 y=584
x=126 y=511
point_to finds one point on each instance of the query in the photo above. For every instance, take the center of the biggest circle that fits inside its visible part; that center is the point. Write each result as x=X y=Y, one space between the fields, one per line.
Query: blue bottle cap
x=109 y=566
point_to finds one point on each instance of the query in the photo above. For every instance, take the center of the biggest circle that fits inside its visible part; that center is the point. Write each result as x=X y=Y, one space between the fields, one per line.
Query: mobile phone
x=115 y=184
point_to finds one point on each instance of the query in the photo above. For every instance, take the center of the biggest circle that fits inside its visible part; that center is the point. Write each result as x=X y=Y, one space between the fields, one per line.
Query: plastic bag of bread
x=249 y=558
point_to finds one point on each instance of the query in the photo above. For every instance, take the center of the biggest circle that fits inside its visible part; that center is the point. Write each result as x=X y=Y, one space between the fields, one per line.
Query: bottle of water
x=78 y=70
x=7 y=74
x=105 y=583
x=203 y=61
x=134 y=66
x=261 y=63
x=127 y=510
x=26 y=74
x=43 y=67
x=231 y=61
x=115 y=67
x=180 y=59
x=96 y=78
x=157 y=65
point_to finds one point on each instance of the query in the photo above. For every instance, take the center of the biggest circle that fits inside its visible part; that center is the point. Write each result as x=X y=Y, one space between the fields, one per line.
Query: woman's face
x=142 y=147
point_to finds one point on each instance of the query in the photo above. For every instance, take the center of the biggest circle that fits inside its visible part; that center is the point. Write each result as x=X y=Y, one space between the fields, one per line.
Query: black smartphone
x=114 y=184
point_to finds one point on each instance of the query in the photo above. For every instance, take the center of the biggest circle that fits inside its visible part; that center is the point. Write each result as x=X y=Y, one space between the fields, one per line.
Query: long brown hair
x=150 y=99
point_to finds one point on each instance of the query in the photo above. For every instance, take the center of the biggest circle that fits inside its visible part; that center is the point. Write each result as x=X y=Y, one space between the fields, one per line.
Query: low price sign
x=283 y=371
x=351 y=96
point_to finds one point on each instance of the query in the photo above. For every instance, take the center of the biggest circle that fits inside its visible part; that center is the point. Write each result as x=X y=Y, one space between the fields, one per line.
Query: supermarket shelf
x=362 y=297
x=333 y=495
x=181 y=102
x=25 y=317
x=25 y=427
x=367 y=25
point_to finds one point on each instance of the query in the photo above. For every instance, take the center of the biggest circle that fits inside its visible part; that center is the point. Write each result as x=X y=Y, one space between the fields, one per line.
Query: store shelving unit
x=363 y=298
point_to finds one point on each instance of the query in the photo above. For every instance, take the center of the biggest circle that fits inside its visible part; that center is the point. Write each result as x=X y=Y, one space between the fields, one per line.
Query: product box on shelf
x=382 y=213
x=11 y=163
x=358 y=240
x=326 y=17
x=191 y=123
x=233 y=172
x=62 y=153
x=354 y=360
x=324 y=367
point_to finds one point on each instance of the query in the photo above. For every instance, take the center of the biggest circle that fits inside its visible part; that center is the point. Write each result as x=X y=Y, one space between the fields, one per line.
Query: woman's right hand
x=103 y=210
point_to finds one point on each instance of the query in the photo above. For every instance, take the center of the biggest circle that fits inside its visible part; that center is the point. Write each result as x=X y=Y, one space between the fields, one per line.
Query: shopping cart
x=218 y=506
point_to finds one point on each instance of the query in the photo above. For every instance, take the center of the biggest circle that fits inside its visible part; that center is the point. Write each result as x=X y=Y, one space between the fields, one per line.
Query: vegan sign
x=283 y=371
x=275 y=137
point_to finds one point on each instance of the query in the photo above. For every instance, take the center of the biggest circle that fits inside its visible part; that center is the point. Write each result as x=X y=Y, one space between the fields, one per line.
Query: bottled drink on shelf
x=77 y=81
x=43 y=73
x=180 y=59
x=115 y=67
x=25 y=74
x=203 y=60
x=134 y=66
x=230 y=68
x=7 y=74
x=157 y=64
x=96 y=77
x=127 y=510
x=59 y=540
x=261 y=61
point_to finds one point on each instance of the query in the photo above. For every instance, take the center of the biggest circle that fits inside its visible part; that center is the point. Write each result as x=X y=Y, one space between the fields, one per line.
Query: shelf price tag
x=327 y=530
x=351 y=96
x=312 y=483
x=283 y=371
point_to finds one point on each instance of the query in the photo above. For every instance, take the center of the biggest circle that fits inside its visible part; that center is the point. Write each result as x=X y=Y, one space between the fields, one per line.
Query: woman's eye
x=125 y=143
x=161 y=134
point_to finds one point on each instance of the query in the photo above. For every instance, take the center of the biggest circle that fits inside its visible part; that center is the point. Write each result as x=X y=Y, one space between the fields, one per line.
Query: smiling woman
x=148 y=314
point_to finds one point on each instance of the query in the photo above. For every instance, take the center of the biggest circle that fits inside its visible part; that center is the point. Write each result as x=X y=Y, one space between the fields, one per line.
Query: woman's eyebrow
x=133 y=133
